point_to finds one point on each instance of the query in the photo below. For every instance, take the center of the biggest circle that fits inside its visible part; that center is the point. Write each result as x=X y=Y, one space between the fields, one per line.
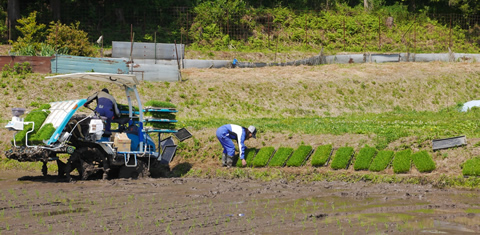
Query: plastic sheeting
x=470 y=104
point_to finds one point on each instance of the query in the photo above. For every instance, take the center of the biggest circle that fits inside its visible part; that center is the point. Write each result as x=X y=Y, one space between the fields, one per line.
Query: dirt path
x=34 y=204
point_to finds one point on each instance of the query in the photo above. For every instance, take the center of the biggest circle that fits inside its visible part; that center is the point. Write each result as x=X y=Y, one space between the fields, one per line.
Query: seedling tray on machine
x=168 y=153
x=183 y=134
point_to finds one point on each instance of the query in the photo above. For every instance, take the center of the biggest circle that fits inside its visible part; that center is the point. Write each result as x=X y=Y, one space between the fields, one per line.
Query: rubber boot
x=224 y=159
x=229 y=161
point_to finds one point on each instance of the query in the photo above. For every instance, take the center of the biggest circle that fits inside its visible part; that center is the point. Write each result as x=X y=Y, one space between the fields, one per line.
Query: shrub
x=249 y=155
x=342 y=158
x=471 y=167
x=402 y=161
x=382 y=160
x=281 y=156
x=69 y=38
x=423 y=161
x=263 y=156
x=364 y=158
x=299 y=156
x=321 y=155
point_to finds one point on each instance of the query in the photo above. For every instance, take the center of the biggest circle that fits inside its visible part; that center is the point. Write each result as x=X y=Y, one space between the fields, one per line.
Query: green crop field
x=382 y=160
x=364 y=158
x=280 y=156
x=402 y=161
x=423 y=161
x=299 y=156
x=321 y=155
x=343 y=155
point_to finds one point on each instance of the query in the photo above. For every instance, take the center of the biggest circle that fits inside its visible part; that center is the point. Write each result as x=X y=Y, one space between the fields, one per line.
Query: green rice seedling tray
x=263 y=156
x=364 y=158
x=280 y=157
x=249 y=156
x=300 y=155
x=471 y=167
x=402 y=161
x=423 y=161
x=342 y=158
x=381 y=160
x=37 y=116
x=322 y=155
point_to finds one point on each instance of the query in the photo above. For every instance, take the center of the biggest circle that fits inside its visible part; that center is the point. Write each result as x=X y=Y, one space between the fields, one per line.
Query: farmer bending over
x=106 y=107
x=229 y=132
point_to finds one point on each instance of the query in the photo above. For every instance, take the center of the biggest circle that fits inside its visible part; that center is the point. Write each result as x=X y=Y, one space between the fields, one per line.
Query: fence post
x=379 y=35
x=344 y=40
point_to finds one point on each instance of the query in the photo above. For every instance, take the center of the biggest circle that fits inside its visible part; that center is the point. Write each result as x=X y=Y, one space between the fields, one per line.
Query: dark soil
x=33 y=204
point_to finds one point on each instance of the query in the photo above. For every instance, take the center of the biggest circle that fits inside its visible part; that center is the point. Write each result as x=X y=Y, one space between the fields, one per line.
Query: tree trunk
x=13 y=11
x=55 y=8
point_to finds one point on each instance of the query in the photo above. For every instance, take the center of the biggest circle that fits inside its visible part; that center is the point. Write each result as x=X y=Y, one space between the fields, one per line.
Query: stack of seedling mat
x=160 y=115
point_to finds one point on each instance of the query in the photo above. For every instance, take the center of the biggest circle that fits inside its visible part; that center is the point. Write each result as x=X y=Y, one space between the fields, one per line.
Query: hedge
x=423 y=161
x=321 y=155
x=402 y=161
x=263 y=156
x=364 y=158
x=281 y=156
x=299 y=156
x=342 y=158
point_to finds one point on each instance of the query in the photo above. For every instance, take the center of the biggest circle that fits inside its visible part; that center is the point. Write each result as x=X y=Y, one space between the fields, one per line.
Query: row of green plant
x=368 y=158
x=387 y=127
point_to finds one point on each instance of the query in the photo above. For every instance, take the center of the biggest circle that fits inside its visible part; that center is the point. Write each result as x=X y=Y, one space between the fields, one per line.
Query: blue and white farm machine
x=81 y=136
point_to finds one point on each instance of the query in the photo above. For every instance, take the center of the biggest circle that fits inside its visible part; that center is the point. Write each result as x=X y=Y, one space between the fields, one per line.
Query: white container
x=96 y=127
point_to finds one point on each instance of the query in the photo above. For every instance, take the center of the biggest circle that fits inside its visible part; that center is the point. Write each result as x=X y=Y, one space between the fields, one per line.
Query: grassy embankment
x=388 y=106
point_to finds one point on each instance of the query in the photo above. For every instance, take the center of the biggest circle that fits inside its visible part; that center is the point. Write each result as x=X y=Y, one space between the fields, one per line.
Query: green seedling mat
x=349 y=159
x=286 y=159
x=238 y=163
x=328 y=159
x=269 y=157
x=305 y=157
x=363 y=150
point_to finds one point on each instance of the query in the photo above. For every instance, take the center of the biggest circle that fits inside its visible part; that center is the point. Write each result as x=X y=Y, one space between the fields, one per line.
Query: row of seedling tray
x=368 y=158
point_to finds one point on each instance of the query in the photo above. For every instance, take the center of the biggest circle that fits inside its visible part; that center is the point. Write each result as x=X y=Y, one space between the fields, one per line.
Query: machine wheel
x=140 y=171
x=158 y=170
x=44 y=169
x=83 y=160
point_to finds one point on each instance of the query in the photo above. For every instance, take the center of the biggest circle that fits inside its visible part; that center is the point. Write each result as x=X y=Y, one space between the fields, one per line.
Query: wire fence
x=451 y=31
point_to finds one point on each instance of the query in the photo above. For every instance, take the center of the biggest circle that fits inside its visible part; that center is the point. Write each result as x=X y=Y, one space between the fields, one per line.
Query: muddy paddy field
x=33 y=204
x=284 y=103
